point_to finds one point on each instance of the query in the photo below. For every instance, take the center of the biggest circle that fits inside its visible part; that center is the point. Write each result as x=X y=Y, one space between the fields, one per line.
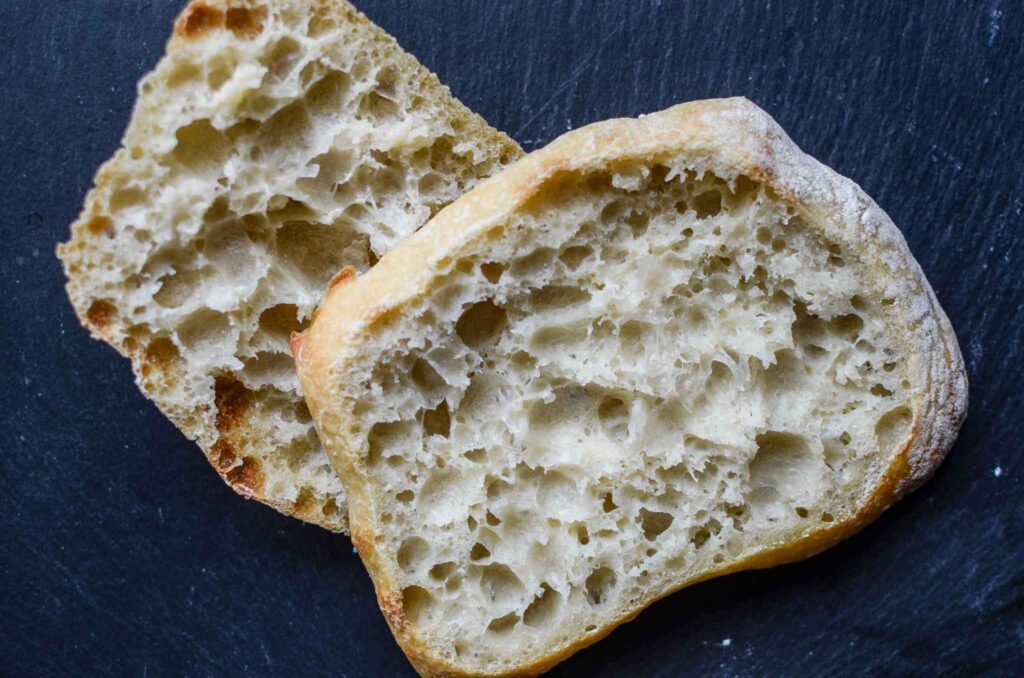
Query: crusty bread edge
x=732 y=132
x=197 y=20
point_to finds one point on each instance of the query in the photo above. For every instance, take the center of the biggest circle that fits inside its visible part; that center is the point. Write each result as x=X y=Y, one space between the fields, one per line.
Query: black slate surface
x=124 y=554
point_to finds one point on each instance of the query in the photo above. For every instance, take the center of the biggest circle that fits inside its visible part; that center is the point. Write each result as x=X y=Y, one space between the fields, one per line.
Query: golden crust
x=732 y=133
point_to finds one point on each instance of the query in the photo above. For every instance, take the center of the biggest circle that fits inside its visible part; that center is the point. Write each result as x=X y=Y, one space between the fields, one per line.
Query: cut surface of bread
x=653 y=352
x=276 y=141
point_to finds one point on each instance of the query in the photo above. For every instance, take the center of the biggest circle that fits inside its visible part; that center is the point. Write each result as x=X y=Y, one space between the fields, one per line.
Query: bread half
x=654 y=352
x=276 y=141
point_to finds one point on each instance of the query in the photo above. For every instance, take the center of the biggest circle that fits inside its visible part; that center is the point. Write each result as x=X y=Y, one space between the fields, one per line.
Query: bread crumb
x=727 y=642
x=997 y=471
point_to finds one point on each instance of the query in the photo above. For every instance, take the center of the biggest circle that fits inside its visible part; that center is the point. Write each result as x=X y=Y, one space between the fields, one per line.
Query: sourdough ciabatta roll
x=653 y=352
x=276 y=141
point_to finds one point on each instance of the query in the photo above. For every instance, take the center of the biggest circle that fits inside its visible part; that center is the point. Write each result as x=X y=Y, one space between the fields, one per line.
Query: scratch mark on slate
x=573 y=78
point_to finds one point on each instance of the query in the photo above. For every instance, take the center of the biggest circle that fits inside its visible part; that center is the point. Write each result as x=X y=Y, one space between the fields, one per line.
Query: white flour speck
x=997 y=471
x=727 y=642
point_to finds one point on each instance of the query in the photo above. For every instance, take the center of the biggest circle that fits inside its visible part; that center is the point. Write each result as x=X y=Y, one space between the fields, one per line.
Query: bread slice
x=277 y=141
x=654 y=352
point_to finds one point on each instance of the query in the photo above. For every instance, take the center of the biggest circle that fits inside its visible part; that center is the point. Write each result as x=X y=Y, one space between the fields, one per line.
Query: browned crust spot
x=345 y=275
x=160 y=353
x=390 y=602
x=244 y=22
x=100 y=225
x=247 y=478
x=223 y=456
x=330 y=507
x=232 y=400
x=362 y=541
x=305 y=503
x=197 y=19
x=100 y=314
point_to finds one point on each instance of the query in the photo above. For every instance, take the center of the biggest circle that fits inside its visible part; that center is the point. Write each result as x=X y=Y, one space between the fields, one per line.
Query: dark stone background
x=124 y=554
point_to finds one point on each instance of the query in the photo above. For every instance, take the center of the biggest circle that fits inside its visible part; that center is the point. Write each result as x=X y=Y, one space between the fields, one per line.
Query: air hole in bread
x=784 y=467
x=375 y=107
x=288 y=128
x=500 y=585
x=437 y=421
x=534 y=262
x=385 y=437
x=613 y=414
x=847 y=326
x=316 y=252
x=476 y=455
x=203 y=333
x=200 y=146
x=416 y=603
x=480 y=324
x=441 y=571
x=573 y=256
x=126 y=198
x=707 y=204
x=219 y=72
x=555 y=297
x=503 y=624
x=880 y=391
x=638 y=221
x=893 y=427
x=183 y=73
x=599 y=585
x=700 y=537
x=745 y=191
x=281 y=320
x=413 y=554
x=543 y=609
x=582 y=535
x=654 y=523
x=327 y=95
x=281 y=59
x=426 y=377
